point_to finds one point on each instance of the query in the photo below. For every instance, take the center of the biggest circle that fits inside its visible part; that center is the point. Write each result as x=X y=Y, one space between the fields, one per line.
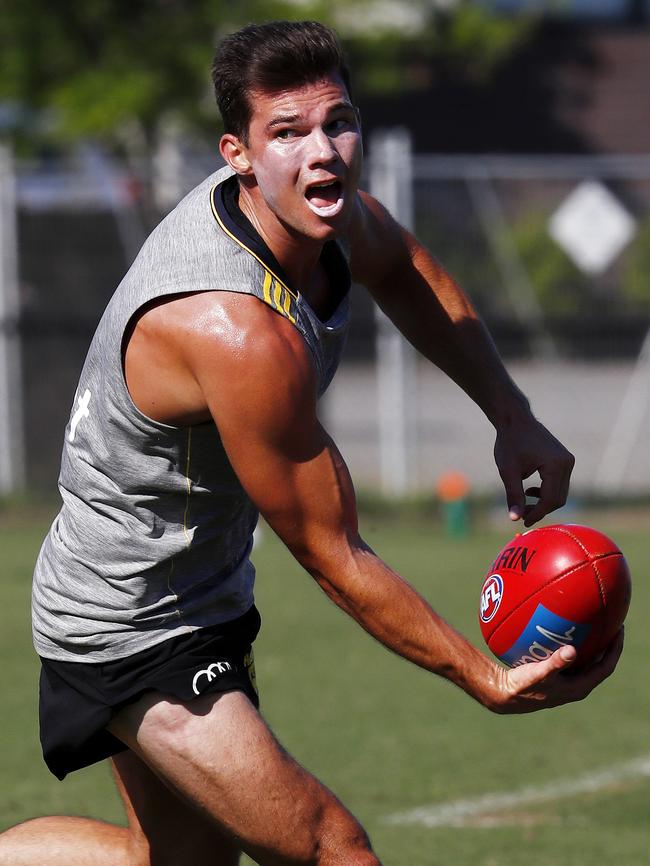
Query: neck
x=298 y=255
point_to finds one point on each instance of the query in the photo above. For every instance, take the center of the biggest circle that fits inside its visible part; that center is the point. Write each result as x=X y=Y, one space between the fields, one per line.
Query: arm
x=257 y=379
x=435 y=316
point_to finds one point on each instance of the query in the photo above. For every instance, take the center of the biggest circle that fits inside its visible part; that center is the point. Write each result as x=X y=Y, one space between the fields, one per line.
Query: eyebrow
x=292 y=118
x=282 y=118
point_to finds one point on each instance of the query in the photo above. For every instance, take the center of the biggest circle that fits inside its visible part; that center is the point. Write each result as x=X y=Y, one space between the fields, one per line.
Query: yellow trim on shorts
x=275 y=292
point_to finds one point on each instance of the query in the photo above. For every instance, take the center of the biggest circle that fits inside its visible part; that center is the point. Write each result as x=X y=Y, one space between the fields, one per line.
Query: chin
x=318 y=230
x=328 y=228
x=327 y=231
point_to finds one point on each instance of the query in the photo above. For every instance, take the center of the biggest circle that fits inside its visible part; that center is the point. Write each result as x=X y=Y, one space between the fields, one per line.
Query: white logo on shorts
x=211 y=672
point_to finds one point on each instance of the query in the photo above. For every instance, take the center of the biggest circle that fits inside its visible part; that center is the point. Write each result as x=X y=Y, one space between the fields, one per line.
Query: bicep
x=306 y=496
x=262 y=396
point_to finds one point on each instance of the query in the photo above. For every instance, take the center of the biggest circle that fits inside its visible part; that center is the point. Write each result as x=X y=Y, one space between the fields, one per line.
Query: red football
x=556 y=585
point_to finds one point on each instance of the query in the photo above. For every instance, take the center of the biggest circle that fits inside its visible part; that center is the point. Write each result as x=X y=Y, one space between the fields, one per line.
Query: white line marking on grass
x=460 y=812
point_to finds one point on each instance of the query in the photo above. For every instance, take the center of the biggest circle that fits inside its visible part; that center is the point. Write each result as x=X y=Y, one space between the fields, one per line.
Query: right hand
x=539 y=685
x=523 y=447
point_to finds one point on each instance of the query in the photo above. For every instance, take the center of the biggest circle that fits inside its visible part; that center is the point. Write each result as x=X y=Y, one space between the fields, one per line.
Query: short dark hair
x=274 y=56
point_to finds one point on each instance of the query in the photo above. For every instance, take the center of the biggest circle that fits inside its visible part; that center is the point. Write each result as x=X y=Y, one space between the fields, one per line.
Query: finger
x=514 y=488
x=549 y=497
x=606 y=666
x=531 y=493
x=565 y=482
x=554 y=490
x=524 y=677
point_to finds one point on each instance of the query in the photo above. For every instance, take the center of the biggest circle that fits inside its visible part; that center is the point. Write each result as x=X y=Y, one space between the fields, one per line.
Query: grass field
x=384 y=736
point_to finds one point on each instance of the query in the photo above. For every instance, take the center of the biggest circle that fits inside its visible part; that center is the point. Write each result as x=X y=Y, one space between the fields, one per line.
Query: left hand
x=524 y=446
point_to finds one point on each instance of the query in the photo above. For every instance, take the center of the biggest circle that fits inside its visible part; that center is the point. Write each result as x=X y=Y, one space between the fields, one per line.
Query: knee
x=6 y=853
x=19 y=845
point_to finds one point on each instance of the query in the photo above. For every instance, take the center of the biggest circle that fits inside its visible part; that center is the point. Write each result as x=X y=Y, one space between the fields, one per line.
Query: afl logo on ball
x=491 y=596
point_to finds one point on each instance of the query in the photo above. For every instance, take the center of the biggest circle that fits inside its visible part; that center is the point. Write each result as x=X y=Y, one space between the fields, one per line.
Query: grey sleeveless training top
x=154 y=535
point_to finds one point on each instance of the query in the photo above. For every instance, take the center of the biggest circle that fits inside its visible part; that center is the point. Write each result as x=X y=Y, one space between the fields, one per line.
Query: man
x=197 y=407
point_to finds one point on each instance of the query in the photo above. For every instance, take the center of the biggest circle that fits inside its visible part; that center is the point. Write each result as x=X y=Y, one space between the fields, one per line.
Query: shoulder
x=251 y=366
x=214 y=352
x=377 y=242
x=223 y=323
x=230 y=340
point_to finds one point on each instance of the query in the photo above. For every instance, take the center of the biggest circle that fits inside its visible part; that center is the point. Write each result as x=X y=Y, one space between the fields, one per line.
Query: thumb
x=563 y=657
x=530 y=674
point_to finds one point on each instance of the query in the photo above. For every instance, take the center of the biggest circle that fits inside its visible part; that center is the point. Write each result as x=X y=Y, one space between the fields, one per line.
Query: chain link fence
x=572 y=336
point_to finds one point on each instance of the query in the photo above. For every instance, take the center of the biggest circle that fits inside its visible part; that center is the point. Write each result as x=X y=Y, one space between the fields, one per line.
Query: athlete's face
x=302 y=163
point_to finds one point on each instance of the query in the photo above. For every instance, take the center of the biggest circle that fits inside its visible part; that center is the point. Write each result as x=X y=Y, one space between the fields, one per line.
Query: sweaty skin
x=235 y=360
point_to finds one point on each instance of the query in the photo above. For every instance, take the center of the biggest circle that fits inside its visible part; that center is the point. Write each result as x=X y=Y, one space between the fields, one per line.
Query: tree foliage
x=561 y=288
x=104 y=68
x=461 y=42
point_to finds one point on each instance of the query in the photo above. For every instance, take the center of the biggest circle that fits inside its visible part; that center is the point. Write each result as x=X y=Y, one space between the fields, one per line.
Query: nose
x=321 y=148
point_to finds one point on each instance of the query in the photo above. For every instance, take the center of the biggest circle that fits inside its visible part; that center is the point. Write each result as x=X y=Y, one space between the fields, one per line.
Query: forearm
x=440 y=322
x=391 y=610
x=438 y=319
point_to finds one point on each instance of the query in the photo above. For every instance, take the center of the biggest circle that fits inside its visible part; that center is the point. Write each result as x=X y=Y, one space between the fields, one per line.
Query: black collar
x=225 y=200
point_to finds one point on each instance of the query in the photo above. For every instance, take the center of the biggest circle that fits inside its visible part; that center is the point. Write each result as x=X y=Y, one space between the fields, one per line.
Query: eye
x=285 y=133
x=338 y=124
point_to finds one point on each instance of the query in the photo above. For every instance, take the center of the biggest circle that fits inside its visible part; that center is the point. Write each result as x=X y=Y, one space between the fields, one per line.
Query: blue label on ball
x=545 y=632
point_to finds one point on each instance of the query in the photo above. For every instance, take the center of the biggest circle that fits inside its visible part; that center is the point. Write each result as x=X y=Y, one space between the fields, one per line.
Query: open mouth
x=325 y=199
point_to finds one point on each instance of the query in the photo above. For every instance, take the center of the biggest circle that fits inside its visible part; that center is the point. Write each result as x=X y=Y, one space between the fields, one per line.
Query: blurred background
x=512 y=136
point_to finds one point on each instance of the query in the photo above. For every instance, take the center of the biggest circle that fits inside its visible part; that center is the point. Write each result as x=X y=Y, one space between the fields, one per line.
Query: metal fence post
x=391 y=181
x=12 y=455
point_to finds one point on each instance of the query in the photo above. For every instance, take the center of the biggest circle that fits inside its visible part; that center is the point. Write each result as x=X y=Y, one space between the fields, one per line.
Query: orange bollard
x=453 y=490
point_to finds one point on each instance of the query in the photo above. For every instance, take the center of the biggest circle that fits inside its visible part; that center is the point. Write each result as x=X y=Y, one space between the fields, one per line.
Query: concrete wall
x=579 y=402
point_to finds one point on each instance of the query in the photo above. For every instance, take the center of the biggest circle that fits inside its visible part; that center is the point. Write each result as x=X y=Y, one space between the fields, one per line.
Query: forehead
x=314 y=96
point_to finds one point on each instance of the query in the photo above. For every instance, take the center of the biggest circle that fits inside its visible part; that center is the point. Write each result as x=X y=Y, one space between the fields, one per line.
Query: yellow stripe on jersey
x=268 y=280
x=277 y=298
x=283 y=299
x=287 y=308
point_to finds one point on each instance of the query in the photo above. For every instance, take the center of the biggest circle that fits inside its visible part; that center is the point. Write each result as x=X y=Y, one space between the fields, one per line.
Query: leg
x=218 y=754
x=63 y=841
x=162 y=830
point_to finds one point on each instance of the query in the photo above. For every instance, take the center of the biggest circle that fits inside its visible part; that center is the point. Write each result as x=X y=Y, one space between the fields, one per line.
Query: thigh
x=218 y=754
x=164 y=829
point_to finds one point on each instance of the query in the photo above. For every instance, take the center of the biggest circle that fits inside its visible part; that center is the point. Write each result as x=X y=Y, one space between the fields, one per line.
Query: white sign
x=592 y=227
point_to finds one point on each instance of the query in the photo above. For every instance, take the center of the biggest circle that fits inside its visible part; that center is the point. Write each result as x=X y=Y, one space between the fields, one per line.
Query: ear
x=235 y=153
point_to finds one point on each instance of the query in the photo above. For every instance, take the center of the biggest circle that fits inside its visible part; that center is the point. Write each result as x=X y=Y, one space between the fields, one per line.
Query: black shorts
x=78 y=699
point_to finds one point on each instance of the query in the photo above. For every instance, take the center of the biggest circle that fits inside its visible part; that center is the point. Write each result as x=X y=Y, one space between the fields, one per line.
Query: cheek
x=351 y=151
x=277 y=176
